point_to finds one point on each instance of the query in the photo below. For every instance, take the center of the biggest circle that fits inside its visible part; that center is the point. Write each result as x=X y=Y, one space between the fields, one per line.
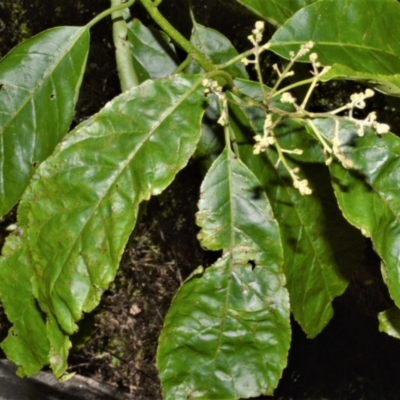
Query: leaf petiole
x=107 y=12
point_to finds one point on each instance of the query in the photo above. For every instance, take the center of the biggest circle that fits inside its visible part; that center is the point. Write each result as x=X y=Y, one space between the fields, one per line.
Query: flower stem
x=177 y=36
x=107 y=12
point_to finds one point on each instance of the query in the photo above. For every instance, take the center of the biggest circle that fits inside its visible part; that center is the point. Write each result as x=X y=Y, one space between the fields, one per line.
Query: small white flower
x=302 y=186
x=205 y=82
x=313 y=57
x=276 y=69
x=287 y=98
x=305 y=48
x=357 y=100
x=223 y=119
x=381 y=128
x=368 y=93
x=297 y=151
x=346 y=162
x=251 y=39
x=371 y=117
x=267 y=124
x=262 y=143
x=260 y=25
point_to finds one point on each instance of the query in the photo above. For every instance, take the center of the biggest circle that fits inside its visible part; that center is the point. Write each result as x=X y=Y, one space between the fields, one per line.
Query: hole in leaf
x=252 y=263
x=34 y=164
x=52 y=96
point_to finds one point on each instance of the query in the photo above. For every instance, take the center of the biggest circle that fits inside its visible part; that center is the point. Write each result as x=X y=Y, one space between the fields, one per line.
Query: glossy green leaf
x=387 y=84
x=152 y=52
x=217 y=48
x=227 y=333
x=321 y=249
x=26 y=344
x=345 y=32
x=92 y=187
x=369 y=195
x=275 y=11
x=94 y=183
x=32 y=341
x=39 y=84
x=59 y=347
x=389 y=322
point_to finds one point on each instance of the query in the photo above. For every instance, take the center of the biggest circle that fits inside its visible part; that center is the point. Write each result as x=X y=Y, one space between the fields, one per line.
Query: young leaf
x=218 y=48
x=320 y=248
x=39 y=84
x=275 y=11
x=227 y=333
x=345 y=32
x=77 y=214
x=152 y=52
x=369 y=195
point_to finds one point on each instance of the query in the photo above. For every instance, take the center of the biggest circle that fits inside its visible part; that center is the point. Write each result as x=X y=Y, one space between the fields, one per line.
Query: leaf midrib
x=121 y=170
x=28 y=100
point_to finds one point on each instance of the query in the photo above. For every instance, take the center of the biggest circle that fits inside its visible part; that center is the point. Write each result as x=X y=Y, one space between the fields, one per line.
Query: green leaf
x=211 y=142
x=59 y=347
x=389 y=322
x=369 y=195
x=387 y=84
x=93 y=184
x=39 y=84
x=26 y=344
x=227 y=333
x=345 y=32
x=77 y=214
x=275 y=11
x=217 y=48
x=31 y=340
x=321 y=249
x=152 y=52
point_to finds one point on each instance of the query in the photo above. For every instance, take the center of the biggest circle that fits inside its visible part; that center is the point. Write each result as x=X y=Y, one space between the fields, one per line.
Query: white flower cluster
x=257 y=33
x=358 y=101
x=302 y=186
x=262 y=142
x=212 y=86
x=287 y=98
x=255 y=39
x=304 y=49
